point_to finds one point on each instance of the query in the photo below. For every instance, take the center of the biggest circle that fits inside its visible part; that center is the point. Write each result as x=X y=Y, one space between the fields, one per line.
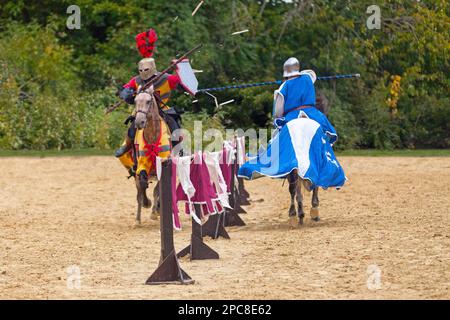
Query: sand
x=385 y=235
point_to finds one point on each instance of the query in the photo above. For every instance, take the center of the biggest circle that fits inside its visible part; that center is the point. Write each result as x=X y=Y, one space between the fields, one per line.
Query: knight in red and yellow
x=162 y=91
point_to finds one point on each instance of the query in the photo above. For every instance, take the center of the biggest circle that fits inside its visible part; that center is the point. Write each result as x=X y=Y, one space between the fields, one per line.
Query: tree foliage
x=55 y=82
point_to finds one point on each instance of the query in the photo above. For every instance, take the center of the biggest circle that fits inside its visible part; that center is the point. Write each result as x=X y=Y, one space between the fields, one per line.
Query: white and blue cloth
x=300 y=144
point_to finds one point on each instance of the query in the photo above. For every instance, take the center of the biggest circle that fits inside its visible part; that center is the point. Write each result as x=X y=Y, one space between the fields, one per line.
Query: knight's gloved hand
x=127 y=95
x=279 y=122
x=128 y=120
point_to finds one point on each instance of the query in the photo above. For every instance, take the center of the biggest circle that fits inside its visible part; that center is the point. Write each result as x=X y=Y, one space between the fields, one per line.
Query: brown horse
x=148 y=119
x=295 y=182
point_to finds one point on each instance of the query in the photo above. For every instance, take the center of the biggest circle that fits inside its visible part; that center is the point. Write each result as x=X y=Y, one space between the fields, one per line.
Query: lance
x=277 y=82
x=157 y=77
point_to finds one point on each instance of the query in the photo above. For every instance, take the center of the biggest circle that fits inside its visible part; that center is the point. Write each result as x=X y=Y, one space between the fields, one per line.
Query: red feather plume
x=145 y=42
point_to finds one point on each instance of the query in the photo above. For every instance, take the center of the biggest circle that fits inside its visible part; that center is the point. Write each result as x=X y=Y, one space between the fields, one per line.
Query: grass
x=110 y=153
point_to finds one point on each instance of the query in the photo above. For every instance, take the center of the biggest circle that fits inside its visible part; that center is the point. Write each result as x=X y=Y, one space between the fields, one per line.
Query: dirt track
x=393 y=213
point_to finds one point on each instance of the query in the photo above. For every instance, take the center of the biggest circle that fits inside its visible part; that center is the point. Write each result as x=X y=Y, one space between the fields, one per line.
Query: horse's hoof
x=147 y=204
x=300 y=221
x=154 y=215
x=137 y=223
x=314 y=213
x=293 y=221
x=317 y=219
x=292 y=211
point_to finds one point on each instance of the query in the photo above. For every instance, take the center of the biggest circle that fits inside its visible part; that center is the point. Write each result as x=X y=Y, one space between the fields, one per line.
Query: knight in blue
x=303 y=142
x=296 y=98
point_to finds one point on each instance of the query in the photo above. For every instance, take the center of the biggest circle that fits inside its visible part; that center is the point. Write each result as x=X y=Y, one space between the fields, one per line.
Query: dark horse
x=295 y=182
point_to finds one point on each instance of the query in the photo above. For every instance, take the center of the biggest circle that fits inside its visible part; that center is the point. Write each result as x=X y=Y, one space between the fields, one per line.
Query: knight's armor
x=296 y=98
x=162 y=92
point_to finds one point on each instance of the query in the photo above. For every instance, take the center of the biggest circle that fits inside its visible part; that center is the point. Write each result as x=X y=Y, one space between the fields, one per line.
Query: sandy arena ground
x=393 y=213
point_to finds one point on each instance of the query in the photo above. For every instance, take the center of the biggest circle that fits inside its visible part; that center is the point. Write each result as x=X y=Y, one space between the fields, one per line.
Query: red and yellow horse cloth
x=147 y=151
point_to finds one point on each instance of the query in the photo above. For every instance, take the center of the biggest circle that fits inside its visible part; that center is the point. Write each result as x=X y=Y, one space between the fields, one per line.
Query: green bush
x=42 y=105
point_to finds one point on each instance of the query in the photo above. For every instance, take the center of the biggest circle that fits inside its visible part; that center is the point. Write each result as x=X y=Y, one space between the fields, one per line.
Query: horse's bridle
x=145 y=112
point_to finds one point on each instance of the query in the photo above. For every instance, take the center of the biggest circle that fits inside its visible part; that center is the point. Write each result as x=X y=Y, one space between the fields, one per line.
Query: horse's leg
x=301 y=213
x=140 y=200
x=292 y=178
x=156 y=204
x=139 y=207
x=145 y=200
x=314 y=213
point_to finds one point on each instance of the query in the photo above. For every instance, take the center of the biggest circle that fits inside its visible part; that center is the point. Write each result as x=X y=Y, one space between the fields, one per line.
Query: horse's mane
x=153 y=128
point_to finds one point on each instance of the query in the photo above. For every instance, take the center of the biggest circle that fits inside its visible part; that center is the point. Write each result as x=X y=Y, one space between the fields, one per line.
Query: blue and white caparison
x=300 y=144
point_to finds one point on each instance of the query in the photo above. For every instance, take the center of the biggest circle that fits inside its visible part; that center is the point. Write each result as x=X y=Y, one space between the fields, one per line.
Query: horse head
x=146 y=108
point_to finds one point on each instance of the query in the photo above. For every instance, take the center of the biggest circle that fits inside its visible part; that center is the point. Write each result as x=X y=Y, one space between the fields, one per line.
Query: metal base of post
x=198 y=250
x=238 y=209
x=232 y=219
x=214 y=227
x=168 y=272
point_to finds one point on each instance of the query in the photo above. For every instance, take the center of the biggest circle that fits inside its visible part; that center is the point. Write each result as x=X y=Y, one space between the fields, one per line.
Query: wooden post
x=241 y=194
x=169 y=270
x=231 y=217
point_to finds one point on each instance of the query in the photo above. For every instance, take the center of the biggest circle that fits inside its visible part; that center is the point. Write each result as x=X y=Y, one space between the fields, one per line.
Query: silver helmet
x=291 y=67
x=147 y=68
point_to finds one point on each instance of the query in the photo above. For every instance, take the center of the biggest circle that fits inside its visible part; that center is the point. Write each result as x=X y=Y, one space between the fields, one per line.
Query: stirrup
x=131 y=173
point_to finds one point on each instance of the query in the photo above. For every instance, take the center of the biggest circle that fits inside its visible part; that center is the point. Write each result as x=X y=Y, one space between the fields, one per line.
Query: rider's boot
x=124 y=148
x=127 y=161
x=131 y=172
